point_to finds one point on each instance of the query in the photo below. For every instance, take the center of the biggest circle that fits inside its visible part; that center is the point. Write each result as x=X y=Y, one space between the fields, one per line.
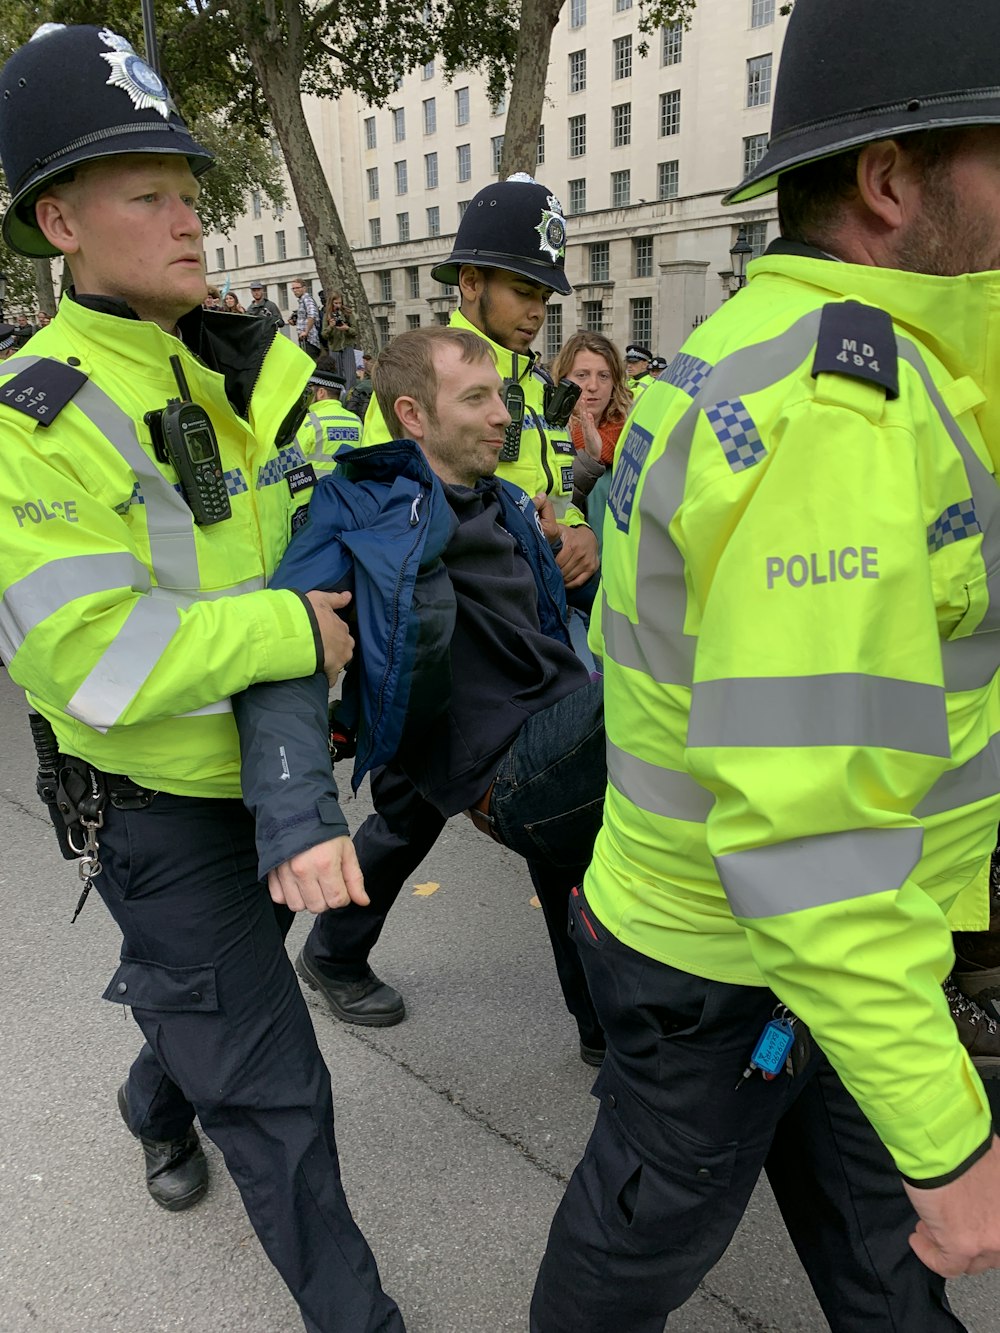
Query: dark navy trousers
x=548 y=800
x=229 y=1039
x=676 y=1151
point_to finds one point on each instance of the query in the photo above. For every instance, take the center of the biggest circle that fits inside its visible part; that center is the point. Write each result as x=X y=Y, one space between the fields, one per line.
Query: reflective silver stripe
x=317 y=426
x=661 y=595
x=847 y=709
x=978 y=779
x=661 y=791
x=220 y=706
x=47 y=589
x=986 y=499
x=972 y=662
x=656 y=653
x=813 y=872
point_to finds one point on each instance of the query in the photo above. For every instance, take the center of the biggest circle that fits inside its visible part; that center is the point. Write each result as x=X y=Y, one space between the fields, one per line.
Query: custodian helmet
x=857 y=71
x=516 y=225
x=72 y=94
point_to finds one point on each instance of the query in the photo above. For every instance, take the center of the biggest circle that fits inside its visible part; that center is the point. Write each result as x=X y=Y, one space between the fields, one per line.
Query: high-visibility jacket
x=637 y=384
x=128 y=624
x=800 y=626
x=545 y=463
x=328 y=425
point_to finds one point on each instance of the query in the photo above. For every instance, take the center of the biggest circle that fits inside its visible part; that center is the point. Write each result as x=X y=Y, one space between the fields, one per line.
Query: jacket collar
x=510 y=365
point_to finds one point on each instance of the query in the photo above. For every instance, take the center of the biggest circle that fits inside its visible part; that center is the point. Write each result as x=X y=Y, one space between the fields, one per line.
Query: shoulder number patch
x=43 y=390
x=857 y=340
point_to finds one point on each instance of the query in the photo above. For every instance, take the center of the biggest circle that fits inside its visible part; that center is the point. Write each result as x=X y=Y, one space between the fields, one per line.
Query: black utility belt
x=119 y=790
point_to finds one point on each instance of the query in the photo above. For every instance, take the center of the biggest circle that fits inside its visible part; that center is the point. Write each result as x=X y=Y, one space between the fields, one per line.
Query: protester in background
x=231 y=304
x=338 y=335
x=306 y=319
x=592 y=361
x=260 y=306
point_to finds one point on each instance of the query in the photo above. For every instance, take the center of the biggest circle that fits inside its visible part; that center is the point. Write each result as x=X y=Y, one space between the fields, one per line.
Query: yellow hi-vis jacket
x=545 y=463
x=128 y=625
x=800 y=626
x=327 y=427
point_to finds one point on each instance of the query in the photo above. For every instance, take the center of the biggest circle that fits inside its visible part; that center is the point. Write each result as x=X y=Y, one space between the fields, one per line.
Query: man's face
x=129 y=227
x=43 y=319
x=509 y=309
x=297 y=290
x=636 y=368
x=256 y=293
x=465 y=433
x=957 y=227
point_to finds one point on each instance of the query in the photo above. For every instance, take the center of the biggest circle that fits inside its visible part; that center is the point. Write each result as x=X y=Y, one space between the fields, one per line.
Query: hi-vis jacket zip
x=800 y=626
x=129 y=625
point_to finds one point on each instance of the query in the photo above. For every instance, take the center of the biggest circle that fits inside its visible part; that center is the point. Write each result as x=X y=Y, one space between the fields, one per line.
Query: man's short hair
x=812 y=198
x=405 y=368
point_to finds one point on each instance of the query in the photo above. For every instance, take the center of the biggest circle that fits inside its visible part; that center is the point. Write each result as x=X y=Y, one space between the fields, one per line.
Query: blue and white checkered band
x=957 y=522
x=631 y=458
x=145 y=89
x=736 y=432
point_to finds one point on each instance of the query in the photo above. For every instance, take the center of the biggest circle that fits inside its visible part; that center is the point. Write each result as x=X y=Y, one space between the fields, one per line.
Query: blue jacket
x=378 y=526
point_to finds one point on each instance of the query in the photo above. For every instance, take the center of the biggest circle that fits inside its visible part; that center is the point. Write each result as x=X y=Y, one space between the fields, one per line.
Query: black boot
x=363 y=999
x=176 y=1170
x=977 y=1031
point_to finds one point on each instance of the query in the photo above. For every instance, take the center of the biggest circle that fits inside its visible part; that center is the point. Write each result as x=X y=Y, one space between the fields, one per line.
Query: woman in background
x=231 y=304
x=593 y=362
x=338 y=334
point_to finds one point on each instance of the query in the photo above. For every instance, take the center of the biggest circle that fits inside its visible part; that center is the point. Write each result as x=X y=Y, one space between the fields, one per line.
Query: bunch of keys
x=773 y=1046
x=89 y=866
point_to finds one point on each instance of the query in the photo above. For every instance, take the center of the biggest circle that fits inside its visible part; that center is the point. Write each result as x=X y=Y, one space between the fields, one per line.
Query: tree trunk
x=44 y=290
x=277 y=64
x=527 y=89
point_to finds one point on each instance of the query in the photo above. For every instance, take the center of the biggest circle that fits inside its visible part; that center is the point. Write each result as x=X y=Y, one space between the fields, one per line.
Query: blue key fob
x=773 y=1046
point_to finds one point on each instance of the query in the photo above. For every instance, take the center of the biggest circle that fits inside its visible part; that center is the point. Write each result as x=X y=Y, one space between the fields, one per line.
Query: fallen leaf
x=533 y=902
x=425 y=890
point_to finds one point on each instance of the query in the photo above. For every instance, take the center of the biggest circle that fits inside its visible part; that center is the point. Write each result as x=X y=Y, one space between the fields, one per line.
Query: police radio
x=560 y=399
x=183 y=437
x=513 y=401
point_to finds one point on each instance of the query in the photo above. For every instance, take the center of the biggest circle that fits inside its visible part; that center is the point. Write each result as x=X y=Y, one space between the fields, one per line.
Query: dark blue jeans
x=676 y=1151
x=229 y=1039
x=548 y=798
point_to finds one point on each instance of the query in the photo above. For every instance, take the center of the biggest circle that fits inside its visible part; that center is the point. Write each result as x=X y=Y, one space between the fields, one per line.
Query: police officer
x=799 y=628
x=135 y=544
x=637 y=359
x=328 y=425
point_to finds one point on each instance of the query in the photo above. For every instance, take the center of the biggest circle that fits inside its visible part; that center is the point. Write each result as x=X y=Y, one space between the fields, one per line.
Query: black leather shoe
x=176 y=1170
x=366 y=1001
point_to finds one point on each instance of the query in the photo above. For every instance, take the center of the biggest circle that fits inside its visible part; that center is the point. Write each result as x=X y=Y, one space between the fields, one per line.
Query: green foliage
x=656 y=14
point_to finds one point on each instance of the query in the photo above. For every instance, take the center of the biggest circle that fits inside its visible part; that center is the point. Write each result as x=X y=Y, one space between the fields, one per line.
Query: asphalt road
x=457 y=1130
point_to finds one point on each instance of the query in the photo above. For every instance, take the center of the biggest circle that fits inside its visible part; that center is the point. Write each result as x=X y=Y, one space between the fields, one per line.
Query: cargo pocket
x=178 y=990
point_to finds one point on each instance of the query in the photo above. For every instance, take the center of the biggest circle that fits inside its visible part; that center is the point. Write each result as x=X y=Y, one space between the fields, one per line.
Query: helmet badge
x=552 y=230
x=145 y=88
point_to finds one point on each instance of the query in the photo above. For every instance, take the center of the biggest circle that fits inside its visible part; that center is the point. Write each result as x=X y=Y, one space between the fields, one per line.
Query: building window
x=403 y=226
x=220 y=257
x=496 y=153
x=593 y=316
x=600 y=261
x=446 y=287
x=413 y=283
x=756 y=234
x=463 y=204
x=577 y=71
x=754 y=146
x=385 y=284
x=279 y=243
x=761 y=13
x=236 y=256
x=670 y=113
x=303 y=242
x=382 y=329
x=498 y=107
x=258 y=249
x=642 y=257
x=640 y=319
x=401 y=177
x=413 y=321
x=673 y=40
x=371 y=141
x=553 y=331
x=371 y=175
x=578 y=196
x=428 y=71
x=464 y=156
x=430 y=116
x=759 y=81
x=375 y=231
x=668 y=180
x=621 y=57
x=461 y=106
x=622 y=5
x=434 y=221
x=398 y=125
x=577 y=13
x=431 y=171
x=255 y=203
x=282 y=298
x=621 y=189
x=621 y=125
x=540 y=153
x=577 y=136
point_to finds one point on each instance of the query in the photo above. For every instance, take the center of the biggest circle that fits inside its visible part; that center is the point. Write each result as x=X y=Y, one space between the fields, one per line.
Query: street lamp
x=740 y=254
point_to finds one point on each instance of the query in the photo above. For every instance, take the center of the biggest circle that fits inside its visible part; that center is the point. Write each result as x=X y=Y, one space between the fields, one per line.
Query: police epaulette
x=859 y=341
x=42 y=389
